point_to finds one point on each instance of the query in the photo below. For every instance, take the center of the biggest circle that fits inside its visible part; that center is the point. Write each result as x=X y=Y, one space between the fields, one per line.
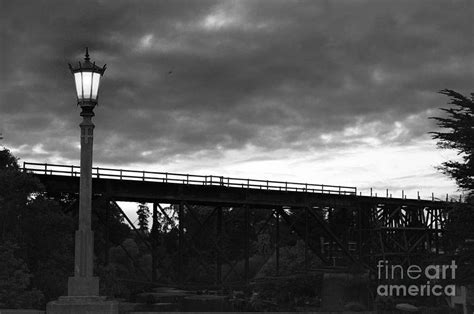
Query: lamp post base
x=82 y=305
x=83 y=286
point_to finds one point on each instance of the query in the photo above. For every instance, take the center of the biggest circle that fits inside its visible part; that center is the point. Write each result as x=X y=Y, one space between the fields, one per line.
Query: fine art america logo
x=434 y=279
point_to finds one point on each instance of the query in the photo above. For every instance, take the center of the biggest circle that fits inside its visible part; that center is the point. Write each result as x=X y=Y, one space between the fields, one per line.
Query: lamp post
x=87 y=78
x=83 y=287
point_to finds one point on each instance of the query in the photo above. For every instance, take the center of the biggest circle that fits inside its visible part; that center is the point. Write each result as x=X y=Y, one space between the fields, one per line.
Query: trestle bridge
x=335 y=226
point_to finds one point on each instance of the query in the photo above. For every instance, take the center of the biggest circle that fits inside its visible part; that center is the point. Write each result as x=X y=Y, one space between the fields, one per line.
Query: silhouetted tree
x=143 y=214
x=460 y=136
x=16 y=189
x=7 y=160
x=35 y=235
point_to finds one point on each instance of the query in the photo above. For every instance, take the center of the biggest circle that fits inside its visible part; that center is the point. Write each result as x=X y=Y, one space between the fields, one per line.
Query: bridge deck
x=188 y=179
x=139 y=186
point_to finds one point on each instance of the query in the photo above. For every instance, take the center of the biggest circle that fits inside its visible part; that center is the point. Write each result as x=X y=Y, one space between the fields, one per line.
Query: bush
x=15 y=291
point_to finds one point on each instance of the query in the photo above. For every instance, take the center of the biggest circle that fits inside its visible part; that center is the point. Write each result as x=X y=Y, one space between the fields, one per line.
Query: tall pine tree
x=458 y=135
x=143 y=214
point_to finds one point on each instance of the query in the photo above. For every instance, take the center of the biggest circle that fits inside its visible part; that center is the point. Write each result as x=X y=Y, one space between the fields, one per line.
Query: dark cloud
x=186 y=77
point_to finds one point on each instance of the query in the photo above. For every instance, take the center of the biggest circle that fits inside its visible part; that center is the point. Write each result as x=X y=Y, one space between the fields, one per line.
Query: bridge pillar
x=247 y=244
x=154 y=243
x=277 y=242
x=219 y=246
x=180 y=244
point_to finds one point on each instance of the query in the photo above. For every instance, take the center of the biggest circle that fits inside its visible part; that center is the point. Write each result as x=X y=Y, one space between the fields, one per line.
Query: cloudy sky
x=334 y=92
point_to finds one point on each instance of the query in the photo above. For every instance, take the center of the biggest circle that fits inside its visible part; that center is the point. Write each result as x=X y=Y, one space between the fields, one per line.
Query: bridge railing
x=191 y=179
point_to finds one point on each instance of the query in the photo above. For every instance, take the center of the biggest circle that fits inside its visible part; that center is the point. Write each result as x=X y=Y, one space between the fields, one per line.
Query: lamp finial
x=87 y=54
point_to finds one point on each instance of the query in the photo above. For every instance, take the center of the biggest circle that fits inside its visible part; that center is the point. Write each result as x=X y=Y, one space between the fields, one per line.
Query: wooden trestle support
x=333 y=236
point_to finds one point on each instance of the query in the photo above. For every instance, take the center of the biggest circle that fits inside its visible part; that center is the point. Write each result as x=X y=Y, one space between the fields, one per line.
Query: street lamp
x=83 y=287
x=87 y=78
